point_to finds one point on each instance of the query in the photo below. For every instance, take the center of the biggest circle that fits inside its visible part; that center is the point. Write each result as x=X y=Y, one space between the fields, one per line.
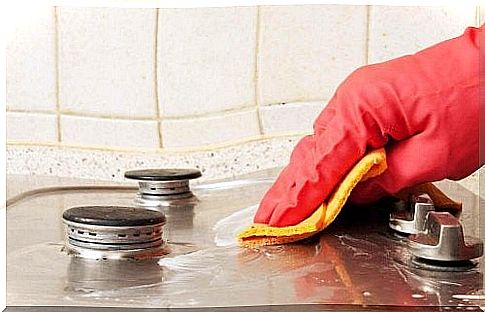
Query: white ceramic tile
x=198 y=132
x=396 y=31
x=206 y=59
x=31 y=71
x=481 y=15
x=306 y=51
x=290 y=117
x=30 y=127
x=109 y=132
x=107 y=60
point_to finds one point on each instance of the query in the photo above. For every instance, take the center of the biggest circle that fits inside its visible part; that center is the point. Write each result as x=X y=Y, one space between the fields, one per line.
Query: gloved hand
x=422 y=108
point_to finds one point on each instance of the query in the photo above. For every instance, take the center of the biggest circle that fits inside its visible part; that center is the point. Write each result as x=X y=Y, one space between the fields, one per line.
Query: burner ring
x=161 y=175
x=164 y=188
x=127 y=230
x=114 y=247
x=113 y=235
x=443 y=266
x=159 y=185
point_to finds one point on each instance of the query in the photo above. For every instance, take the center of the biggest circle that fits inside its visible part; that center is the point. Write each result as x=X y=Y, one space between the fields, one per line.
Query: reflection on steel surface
x=357 y=260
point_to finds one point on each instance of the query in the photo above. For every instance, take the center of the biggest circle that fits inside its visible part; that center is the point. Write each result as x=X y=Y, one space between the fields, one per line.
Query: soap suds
x=226 y=229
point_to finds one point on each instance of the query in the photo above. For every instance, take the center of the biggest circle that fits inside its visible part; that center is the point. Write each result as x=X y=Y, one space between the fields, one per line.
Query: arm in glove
x=422 y=108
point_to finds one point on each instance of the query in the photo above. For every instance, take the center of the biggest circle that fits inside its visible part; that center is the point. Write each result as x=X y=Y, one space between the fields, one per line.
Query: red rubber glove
x=423 y=108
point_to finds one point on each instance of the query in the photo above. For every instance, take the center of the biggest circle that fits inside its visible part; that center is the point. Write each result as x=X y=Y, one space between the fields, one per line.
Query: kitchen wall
x=92 y=92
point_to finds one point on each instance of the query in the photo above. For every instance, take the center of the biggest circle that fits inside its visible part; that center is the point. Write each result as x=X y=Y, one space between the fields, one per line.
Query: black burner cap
x=113 y=216
x=163 y=174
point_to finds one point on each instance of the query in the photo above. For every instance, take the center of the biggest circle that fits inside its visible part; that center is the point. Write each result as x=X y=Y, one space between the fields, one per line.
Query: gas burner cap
x=163 y=174
x=157 y=186
x=113 y=216
x=114 y=232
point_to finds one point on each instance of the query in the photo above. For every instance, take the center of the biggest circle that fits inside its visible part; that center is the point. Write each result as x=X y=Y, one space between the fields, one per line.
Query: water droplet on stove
x=366 y=294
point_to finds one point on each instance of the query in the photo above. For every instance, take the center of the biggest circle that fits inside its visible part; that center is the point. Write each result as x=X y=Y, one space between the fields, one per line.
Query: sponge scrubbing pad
x=371 y=165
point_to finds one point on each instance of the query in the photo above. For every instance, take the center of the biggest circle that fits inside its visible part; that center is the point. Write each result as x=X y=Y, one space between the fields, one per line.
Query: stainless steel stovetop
x=357 y=263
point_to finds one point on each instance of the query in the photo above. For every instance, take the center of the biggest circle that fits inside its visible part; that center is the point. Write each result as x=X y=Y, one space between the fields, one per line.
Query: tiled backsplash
x=180 y=80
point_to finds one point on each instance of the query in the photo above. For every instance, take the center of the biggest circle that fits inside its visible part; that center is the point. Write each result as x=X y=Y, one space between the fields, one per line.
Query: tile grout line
x=106 y=116
x=188 y=149
x=256 y=71
x=31 y=111
x=220 y=113
x=367 y=34
x=157 y=95
x=57 y=74
x=477 y=12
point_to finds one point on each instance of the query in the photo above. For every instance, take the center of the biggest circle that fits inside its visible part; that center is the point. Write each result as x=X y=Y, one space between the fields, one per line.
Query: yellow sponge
x=371 y=165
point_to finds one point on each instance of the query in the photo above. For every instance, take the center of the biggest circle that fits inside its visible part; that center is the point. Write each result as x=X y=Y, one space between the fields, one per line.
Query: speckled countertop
x=110 y=165
x=94 y=166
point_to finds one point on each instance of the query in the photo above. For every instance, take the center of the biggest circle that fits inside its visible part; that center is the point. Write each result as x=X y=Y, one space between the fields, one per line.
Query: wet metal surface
x=358 y=261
